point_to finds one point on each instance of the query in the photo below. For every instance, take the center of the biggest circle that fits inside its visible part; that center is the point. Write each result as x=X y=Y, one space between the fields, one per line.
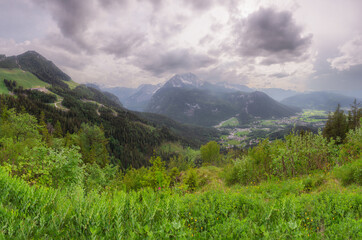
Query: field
x=232 y=122
x=24 y=79
x=311 y=116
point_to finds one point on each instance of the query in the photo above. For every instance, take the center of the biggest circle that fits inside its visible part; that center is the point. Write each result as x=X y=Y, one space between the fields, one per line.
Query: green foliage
x=350 y=173
x=97 y=178
x=191 y=180
x=135 y=179
x=296 y=155
x=239 y=172
x=38 y=213
x=92 y=143
x=354 y=115
x=157 y=177
x=210 y=153
x=352 y=147
x=337 y=126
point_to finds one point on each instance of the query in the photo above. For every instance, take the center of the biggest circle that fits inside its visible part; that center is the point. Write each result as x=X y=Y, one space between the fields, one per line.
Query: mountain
x=319 y=100
x=132 y=137
x=138 y=101
x=206 y=108
x=278 y=93
x=38 y=65
x=187 y=80
x=121 y=92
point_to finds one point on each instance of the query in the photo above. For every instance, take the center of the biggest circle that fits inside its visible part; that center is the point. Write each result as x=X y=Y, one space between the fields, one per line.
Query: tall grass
x=42 y=213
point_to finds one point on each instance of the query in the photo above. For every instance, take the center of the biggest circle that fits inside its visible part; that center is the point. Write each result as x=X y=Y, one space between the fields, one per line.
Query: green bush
x=239 y=172
x=191 y=180
x=350 y=173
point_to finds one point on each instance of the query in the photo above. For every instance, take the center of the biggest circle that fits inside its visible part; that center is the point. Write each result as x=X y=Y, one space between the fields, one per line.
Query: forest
x=66 y=185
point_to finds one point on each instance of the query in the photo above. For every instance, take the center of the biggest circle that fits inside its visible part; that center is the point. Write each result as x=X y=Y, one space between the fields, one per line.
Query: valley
x=247 y=135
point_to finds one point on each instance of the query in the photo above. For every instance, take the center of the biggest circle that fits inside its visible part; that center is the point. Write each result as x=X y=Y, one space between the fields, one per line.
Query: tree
x=93 y=145
x=210 y=153
x=336 y=126
x=354 y=115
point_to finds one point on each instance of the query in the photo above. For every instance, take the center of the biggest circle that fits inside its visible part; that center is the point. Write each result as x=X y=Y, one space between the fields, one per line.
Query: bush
x=350 y=173
x=191 y=180
x=240 y=172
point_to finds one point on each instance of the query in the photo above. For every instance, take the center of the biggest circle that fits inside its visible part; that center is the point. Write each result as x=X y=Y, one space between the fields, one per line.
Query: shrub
x=240 y=172
x=350 y=173
x=191 y=180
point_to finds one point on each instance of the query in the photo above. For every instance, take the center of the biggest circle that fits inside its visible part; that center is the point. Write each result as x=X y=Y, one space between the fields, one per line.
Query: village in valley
x=246 y=135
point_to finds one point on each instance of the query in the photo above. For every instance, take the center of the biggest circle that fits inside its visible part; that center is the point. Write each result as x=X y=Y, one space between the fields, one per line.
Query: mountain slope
x=208 y=108
x=38 y=65
x=278 y=93
x=138 y=101
x=318 y=100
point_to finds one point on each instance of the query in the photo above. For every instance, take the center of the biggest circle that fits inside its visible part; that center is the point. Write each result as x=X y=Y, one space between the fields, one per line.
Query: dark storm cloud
x=273 y=35
x=178 y=60
x=122 y=46
x=72 y=18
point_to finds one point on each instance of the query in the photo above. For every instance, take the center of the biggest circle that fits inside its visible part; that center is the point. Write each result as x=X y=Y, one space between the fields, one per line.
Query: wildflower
x=191 y=218
x=311 y=220
x=195 y=220
x=159 y=188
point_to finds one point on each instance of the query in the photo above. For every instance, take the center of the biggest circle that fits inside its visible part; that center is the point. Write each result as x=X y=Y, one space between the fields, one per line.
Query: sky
x=292 y=44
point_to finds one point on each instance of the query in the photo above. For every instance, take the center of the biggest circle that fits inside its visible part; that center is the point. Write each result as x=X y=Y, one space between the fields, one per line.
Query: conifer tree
x=336 y=126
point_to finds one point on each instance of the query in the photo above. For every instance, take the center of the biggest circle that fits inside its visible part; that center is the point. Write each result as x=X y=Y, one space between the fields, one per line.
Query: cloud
x=122 y=45
x=348 y=79
x=72 y=18
x=272 y=35
x=279 y=75
x=351 y=55
x=173 y=61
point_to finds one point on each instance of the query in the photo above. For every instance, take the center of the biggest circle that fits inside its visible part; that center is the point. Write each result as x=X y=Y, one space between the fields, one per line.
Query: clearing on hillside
x=22 y=78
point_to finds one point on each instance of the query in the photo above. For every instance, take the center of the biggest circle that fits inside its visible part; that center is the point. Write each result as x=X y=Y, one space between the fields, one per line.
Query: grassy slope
x=271 y=210
x=24 y=79
x=71 y=84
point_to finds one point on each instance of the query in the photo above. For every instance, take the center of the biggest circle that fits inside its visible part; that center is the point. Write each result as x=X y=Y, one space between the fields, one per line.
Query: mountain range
x=319 y=100
x=207 y=108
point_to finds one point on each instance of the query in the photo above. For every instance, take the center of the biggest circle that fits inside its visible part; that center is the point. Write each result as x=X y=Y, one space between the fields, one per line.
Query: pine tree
x=354 y=115
x=336 y=126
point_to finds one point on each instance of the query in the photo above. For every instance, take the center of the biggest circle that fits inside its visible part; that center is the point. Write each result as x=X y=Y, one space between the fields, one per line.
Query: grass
x=232 y=122
x=272 y=210
x=242 y=133
x=22 y=78
x=268 y=122
x=71 y=84
x=308 y=115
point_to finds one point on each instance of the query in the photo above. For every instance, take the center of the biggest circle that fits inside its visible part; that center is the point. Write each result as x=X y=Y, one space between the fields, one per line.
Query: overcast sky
x=301 y=45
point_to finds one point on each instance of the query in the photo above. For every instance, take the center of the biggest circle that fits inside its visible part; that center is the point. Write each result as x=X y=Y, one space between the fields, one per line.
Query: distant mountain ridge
x=206 y=108
x=137 y=99
x=319 y=100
